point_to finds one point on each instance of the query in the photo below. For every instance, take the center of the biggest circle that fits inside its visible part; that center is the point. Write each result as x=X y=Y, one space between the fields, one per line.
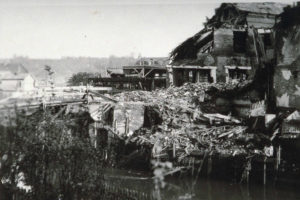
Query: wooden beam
x=148 y=73
x=59 y=113
x=255 y=45
x=103 y=96
x=136 y=71
x=265 y=170
x=143 y=72
x=193 y=67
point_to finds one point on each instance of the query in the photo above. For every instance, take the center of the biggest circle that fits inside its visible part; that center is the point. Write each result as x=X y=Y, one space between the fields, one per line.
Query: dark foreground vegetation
x=53 y=158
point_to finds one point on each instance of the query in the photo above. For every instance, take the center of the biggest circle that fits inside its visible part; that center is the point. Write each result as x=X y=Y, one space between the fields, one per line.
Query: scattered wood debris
x=186 y=130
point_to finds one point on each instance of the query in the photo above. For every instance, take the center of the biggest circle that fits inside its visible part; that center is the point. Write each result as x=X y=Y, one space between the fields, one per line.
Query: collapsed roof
x=266 y=7
x=259 y=15
x=290 y=17
x=189 y=49
x=239 y=13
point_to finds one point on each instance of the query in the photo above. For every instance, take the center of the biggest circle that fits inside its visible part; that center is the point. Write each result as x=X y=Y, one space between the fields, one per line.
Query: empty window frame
x=238 y=74
x=239 y=41
x=267 y=39
x=204 y=75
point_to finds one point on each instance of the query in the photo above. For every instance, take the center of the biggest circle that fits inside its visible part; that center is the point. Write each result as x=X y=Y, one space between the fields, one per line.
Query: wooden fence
x=122 y=193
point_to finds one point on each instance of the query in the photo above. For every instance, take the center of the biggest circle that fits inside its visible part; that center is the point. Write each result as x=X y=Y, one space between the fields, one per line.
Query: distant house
x=15 y=77
x=229 y=46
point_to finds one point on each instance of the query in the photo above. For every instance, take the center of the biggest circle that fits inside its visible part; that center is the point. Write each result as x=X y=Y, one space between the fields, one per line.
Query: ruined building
x=148 y=73
x=287 y=70
x=147 y=67
x=232 y=46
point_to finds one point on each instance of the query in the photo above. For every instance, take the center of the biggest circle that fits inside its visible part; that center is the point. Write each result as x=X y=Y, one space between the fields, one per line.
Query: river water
x=185 y=188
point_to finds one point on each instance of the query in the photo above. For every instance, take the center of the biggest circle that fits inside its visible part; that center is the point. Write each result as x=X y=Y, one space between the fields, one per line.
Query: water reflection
x=182 y=188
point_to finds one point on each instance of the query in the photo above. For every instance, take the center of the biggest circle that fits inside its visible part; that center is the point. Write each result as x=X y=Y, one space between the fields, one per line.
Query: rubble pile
x=223 y=140
x=184 y=93
x=186 y=129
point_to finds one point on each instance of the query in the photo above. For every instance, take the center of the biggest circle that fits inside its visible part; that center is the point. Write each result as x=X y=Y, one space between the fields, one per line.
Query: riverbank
x=188 y=188
x=180 y=125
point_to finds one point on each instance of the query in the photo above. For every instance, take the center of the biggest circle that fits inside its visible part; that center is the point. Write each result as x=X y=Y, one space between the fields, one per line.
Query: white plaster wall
x=28 y=83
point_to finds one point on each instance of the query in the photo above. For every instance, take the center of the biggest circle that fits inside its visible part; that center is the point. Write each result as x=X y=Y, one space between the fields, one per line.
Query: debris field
x=187 y=130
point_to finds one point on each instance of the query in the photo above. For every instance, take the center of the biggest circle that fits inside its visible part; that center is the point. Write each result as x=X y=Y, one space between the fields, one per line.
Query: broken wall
x=128 y=117
x=260 y=20
x=224 y=42
x=287 y=72
x=235 y=43
x=287 y=86
x=225 y=55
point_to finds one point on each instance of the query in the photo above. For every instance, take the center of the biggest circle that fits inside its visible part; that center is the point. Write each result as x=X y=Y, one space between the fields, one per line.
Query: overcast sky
x=98 y=28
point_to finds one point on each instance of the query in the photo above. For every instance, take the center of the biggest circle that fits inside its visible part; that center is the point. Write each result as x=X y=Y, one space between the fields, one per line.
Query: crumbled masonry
x=187 y=130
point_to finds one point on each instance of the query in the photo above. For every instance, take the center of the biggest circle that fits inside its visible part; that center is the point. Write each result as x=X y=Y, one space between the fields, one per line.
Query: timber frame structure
x=145 y=74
